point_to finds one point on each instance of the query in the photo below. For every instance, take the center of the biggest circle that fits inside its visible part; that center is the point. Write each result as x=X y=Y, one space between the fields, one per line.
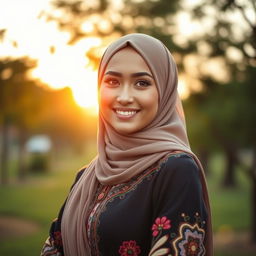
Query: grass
x=230 y=207
x=230 y=211
x=39 y=198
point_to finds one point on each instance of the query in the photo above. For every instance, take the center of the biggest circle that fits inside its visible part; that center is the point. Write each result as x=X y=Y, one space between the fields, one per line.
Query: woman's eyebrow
x=113 y=73
x=137 y=74
x=141 y=74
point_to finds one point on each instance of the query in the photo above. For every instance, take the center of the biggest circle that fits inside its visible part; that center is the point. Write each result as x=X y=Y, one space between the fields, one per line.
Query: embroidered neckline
x=107 y=193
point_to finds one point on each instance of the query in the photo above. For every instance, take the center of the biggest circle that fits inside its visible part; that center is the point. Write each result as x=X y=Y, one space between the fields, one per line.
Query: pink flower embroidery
x=129 y=248
x=160 y=224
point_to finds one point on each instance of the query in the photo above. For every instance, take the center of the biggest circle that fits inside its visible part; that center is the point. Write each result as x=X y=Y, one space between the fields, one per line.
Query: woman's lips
x=125 y=114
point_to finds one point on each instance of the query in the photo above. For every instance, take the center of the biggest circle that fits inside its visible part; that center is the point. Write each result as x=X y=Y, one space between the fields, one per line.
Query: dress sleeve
x=53 y=244
x=179 y=212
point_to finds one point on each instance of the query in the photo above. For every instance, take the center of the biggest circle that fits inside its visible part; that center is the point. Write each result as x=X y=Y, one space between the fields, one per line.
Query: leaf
x=158 y=244
x=160 y=252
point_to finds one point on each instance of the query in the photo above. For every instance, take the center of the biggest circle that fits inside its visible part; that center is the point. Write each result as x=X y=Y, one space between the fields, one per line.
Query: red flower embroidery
x=192 y=246
x=160 y=224
x=129 y=248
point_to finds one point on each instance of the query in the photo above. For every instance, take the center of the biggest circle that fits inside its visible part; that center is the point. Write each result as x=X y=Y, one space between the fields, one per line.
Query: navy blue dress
x=159 y=212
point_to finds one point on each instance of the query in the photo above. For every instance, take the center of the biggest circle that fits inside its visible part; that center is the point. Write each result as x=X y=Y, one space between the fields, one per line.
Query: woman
x=145 y=192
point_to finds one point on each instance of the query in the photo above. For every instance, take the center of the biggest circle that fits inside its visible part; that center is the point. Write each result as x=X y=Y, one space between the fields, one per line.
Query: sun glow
x=68 y=66
x=58 y=63
x=86 y=94
x=183 y=89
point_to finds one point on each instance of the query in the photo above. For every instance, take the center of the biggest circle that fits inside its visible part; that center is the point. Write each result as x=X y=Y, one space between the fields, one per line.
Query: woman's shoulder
x=79 y=174
x=179 y=165
x=178 y=160
x=178 y=179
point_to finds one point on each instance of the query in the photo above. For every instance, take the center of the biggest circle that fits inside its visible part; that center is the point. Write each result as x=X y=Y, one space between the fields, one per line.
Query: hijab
x=121 y=157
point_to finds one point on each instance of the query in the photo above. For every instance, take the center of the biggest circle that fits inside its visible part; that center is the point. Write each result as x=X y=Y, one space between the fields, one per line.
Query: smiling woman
x=145 y=192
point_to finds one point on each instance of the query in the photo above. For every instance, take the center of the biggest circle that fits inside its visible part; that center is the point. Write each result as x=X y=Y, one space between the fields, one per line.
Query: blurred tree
x=107 y=19
x=198 y=125
x=32 y=108
x=231 y=103
x=21 y=105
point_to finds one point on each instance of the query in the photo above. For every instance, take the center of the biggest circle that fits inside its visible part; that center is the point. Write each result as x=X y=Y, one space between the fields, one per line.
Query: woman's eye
x=111 y=82
x=143 y=83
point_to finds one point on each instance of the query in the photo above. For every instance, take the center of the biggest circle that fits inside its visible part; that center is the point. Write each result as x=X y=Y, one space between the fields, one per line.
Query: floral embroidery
x=156 y=250
x=190 y=241
x=160 y=224
x=129 y=248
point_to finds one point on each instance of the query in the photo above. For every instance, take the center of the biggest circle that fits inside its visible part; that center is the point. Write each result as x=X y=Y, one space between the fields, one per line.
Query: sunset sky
x=34 y=37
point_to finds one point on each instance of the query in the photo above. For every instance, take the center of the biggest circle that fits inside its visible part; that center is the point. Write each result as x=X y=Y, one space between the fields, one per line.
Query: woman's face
x=128 y=92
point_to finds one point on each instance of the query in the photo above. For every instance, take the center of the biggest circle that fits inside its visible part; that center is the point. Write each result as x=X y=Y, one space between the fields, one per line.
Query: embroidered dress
x=159 y=212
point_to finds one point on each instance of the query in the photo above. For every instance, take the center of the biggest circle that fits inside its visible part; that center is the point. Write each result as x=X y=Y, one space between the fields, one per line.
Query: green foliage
x=24 y=102
x=228 y=106
x=151 y=17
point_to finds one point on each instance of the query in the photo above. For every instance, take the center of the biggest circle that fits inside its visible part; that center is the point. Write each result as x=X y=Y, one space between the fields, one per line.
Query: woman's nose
x=125 y=96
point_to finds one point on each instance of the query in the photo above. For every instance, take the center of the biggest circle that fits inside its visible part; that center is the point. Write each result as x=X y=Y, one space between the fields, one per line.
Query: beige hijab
x=122 y=157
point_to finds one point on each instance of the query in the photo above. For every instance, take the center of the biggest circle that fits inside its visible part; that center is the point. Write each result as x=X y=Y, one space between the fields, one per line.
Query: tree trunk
x=230 y=152
x=22 y=155
x=229 y=179
x=253 y=197
x=204 y=158
x=4 y=153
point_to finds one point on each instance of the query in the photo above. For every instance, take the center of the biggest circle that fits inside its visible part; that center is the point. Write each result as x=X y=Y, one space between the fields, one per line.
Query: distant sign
x=39 y=144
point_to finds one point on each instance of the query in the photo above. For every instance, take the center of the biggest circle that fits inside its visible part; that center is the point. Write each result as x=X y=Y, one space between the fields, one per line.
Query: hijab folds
x=120 y=157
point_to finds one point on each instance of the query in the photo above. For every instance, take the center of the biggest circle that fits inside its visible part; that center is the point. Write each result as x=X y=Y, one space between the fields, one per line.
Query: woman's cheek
x=106 y=96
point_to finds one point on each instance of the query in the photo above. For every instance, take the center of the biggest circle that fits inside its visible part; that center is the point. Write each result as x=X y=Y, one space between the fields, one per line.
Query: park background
x=49 y=53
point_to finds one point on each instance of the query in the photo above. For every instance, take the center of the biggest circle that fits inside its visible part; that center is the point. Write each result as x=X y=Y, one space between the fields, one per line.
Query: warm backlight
x=68 y=66
x=86 y=95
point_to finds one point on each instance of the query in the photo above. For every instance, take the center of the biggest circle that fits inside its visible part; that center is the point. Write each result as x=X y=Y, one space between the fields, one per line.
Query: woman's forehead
x=127 y=59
